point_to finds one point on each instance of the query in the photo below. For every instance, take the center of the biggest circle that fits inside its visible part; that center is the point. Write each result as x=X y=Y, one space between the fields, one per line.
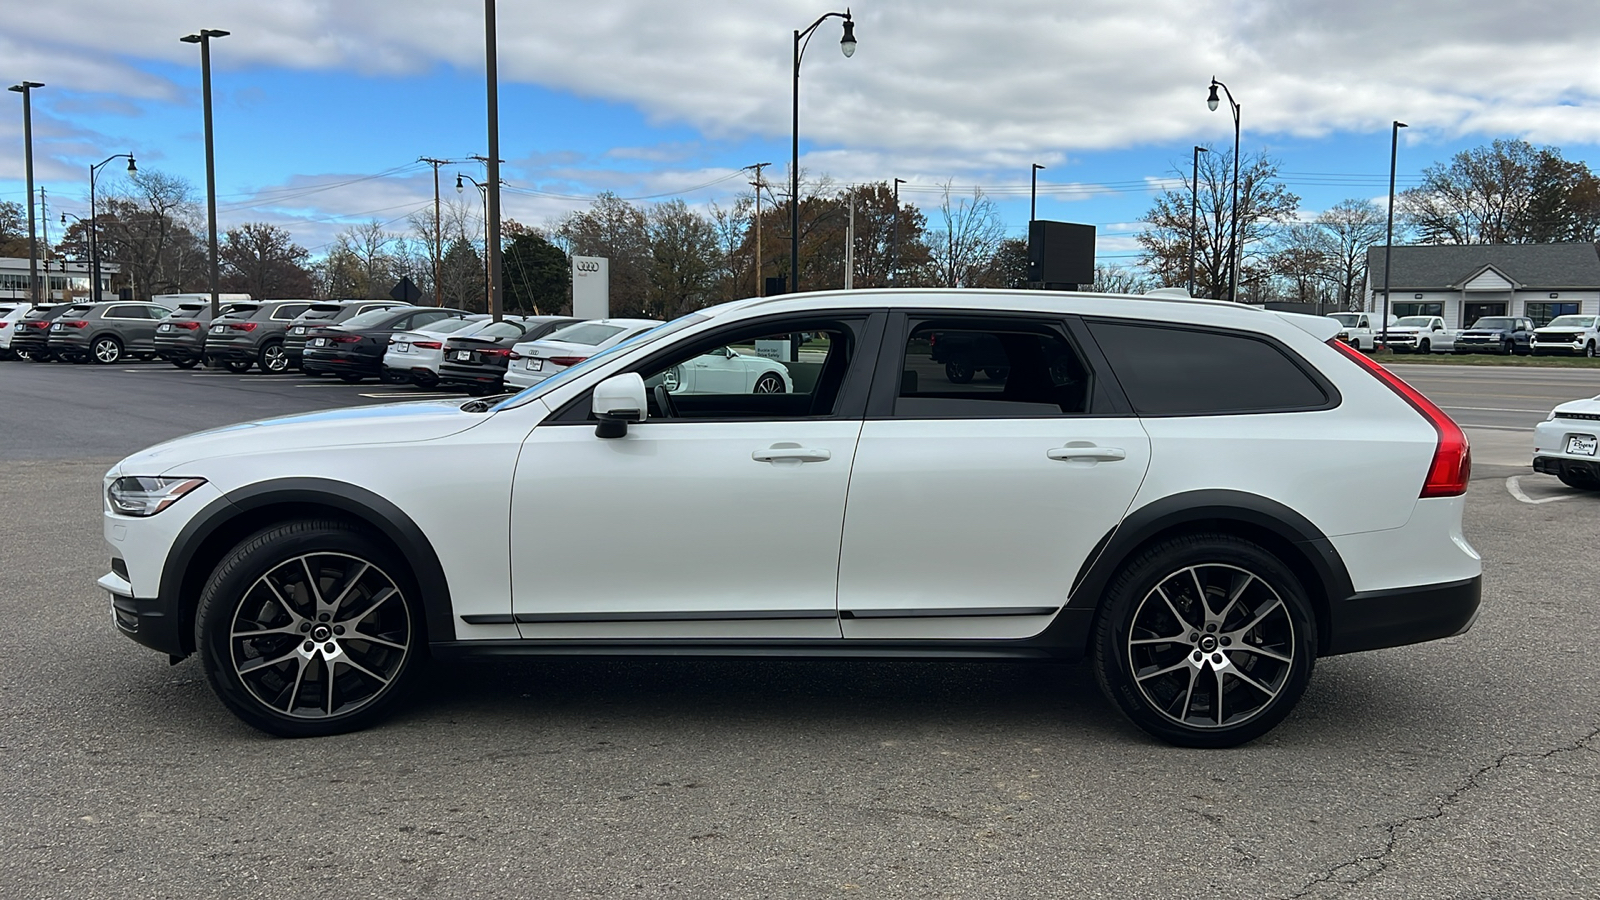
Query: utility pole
x=761 y=289
x=26 y=90
x=438 y=238
x=492 y=196
x=894 y=239
x=850 y=246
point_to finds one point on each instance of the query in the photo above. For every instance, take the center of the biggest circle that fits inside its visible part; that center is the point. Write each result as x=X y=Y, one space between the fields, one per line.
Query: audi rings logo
x=588 y=267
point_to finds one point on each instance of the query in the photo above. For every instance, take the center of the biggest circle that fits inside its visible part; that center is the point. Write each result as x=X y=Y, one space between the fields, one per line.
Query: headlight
x=145 y=496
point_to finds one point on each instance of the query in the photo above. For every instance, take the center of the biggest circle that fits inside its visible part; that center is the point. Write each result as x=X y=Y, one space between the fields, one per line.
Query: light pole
x=26 y=90
x=1033 y=194
x=438 y=238
x=94 y=225
x=1194 y=213
x=847 y=45
x=1233 y=206
x=491 y=201
x=204 y=40
x=1388 y=237
x=894 y=235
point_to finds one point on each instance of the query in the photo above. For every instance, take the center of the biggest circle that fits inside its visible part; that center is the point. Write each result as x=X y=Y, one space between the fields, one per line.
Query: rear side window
x=289 y=311
x=127 y=312
x=958 y=369
x=590 y=334
x=1171 y=371
x=502 y=329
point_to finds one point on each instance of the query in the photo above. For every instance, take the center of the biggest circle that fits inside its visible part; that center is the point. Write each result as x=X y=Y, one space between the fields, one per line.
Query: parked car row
x=1505 y=335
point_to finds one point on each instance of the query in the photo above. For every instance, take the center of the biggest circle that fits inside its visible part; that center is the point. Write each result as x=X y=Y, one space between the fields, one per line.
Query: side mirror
x=617 y=401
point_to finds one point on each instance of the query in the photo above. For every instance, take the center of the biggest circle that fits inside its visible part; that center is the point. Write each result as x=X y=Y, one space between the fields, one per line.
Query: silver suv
x=106 y=332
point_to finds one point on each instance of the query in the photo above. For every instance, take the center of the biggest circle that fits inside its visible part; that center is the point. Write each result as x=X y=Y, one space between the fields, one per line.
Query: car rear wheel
x=958 y=373
x=35 y=355
x=769 y=383
x=310 y=628
x=350 y=378
x=1205 y=640
x=240 y=366
x=1589 y=350
x=106 y=350
x=272 y=359
x=186 y=363
x=389 y=376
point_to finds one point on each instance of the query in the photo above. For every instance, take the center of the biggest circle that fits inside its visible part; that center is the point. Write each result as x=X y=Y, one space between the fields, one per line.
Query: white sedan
x=415 y=355
x=1567 y=444
x=534 y=361
x=727 y=371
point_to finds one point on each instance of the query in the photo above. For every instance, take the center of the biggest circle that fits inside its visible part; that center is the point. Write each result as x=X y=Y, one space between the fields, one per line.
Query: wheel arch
x=1285 y=533
x=222 y=524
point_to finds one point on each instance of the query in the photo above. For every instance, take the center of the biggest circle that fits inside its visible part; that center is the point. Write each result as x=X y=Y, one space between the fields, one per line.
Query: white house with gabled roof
x=1466 y=282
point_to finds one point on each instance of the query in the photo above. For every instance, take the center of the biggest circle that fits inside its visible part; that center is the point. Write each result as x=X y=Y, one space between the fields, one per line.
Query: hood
x=392 y=423
x=1486 y=331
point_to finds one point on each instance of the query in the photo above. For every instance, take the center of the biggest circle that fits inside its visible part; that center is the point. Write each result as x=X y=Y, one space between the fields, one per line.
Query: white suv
x=1144 y=482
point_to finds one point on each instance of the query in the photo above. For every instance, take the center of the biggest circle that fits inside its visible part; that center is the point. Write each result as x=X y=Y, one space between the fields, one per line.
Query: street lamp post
x=1388 y=237
x=94 y=224
x=483 y=191
x=1033 y=194
x=26 y=90
x=1194 y=213
x=894 y=238
x=491 y=201
x=847 y=45
x=204 y=40
x=1233 y=206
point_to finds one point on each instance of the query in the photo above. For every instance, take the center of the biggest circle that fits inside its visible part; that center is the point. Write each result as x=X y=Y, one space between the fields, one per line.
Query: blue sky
x=322 y=109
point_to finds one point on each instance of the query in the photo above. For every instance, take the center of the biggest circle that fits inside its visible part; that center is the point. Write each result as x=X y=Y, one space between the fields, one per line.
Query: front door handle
x=1088 y=453
x=783 y=453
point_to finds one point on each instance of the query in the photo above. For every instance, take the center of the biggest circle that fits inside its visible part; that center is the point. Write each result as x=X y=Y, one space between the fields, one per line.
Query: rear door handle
x=1087 y=454
x=791 y=453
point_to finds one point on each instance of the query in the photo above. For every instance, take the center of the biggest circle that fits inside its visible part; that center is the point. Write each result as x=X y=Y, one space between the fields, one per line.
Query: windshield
x=1346 y=319
x=567 y=374
x=1421 y=321
x=588 y=333
x=1572 y=322
x=1496 y=323
x=372 y=318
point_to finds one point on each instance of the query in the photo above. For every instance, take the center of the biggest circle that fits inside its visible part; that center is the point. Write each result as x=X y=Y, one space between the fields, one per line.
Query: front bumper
x=1557 y=347
x=1372 y=620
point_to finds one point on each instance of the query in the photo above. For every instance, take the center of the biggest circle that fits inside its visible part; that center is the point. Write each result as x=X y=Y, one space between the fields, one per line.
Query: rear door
x=976 y=499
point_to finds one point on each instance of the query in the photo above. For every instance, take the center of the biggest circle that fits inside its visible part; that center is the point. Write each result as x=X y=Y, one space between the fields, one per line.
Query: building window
x=1542 y=313
x=1401 y=310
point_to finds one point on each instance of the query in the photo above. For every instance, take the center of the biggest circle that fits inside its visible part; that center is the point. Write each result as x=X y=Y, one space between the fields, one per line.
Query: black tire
x=1578 y=480
x=77 y=359
x=186 y=363
x=239 y=366
x=1423 y=346
x=768 y=383
x=306 y=675
x=390 y=376
x=106 y=350
x=1175 y=689
x=1589 y=350
x=272 y=359
x=997 y=374
x=424 y=379
x=24 y=355
x=36 y=355
x=1508 y=348
x=958 y=373
x=351 y=377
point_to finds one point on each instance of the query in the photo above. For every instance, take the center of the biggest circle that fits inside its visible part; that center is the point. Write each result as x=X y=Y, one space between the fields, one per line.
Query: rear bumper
x=455 y=374
x=1559 y=466
x=230 y=352
x=339 y=365
x=1372 y=620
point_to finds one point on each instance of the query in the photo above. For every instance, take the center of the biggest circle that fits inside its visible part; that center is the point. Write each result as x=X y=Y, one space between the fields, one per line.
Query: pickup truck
x=1423 y=334
x=1357 y=328
x=1496 y=334
x=1568 y=334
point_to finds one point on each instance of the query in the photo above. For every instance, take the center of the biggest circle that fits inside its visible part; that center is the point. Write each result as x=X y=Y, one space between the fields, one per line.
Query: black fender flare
x=1312 y=555
x=373 y=510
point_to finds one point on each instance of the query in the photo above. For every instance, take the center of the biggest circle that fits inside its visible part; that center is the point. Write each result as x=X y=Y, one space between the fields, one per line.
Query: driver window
x=759 y=375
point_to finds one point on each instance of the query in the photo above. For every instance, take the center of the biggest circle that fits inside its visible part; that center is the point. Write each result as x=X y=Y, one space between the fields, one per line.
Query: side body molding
x=228 y=519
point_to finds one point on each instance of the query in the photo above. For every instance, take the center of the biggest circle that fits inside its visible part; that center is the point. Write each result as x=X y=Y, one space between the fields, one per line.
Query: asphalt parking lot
x=1464 y=768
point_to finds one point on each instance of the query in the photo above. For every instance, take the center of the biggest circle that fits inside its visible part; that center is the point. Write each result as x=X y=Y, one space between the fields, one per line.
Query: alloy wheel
x=273 y=359
x=768 y=384
x=320 y=635
x=1211 y=646
x=107 y=351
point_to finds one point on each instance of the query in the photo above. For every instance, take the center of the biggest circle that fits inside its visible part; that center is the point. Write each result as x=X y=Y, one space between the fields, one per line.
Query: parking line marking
x=1514 y=486
x=418 y=395
x=325 y=384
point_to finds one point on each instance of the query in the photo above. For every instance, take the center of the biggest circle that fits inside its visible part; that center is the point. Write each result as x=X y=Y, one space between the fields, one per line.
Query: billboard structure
x=591 y=287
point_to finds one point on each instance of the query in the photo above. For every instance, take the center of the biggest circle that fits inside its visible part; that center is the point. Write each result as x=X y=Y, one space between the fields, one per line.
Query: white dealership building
x=59 y=279
x=1466 y=282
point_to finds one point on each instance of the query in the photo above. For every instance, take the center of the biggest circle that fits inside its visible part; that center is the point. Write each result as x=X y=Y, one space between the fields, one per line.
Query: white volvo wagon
x=1157 y=485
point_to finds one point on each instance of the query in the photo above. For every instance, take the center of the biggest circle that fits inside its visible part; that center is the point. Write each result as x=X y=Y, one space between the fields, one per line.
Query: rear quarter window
x=1177 y=371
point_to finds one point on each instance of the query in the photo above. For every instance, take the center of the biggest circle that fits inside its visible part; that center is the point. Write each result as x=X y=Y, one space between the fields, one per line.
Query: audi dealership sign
x=591 y=287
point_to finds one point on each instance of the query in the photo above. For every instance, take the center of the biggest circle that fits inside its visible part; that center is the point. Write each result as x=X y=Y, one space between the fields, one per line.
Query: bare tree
x=1114 y=279
x=264 y=261
x=619 y=231
x=966 y=234
x=148 y=225
x=1509 y=192
x=1349 y=227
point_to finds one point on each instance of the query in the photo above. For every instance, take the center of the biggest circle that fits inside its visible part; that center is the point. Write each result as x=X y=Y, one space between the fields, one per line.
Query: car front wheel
x=240 y=366
x=1205 y=641
x=272 y=359
x=310 y=628
x=770 y=383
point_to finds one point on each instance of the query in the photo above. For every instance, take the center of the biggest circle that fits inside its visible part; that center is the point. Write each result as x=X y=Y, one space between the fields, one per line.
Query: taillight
x=4 y=324
x=567 y=360
x=75 y=323
x=187 y=326
x=1452 y=458
x=242 y=326
x=344 y=338
x=427 y=345
x=514 y=354
x=494 y=352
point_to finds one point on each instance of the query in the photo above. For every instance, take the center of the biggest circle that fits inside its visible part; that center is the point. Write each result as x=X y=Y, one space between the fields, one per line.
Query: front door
x=1472 y=312
x=718 y=518
x=974 y=504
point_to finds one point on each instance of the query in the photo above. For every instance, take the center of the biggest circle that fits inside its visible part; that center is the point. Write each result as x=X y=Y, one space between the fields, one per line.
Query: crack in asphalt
x=1393 y=829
